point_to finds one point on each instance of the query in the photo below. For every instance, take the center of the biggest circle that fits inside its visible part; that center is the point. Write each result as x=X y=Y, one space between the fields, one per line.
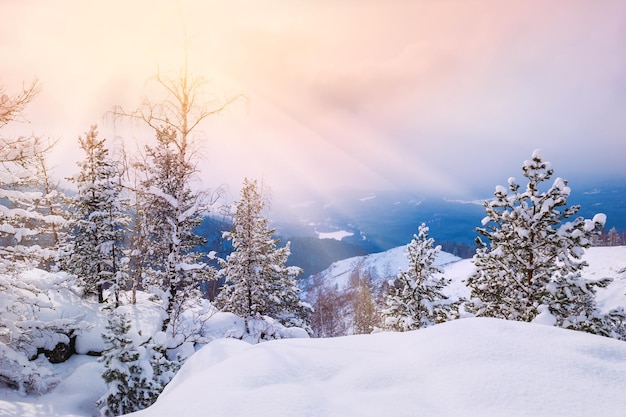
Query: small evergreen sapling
x=167 y=212
x=128 y=387
x=415 y=299
x=135 y=372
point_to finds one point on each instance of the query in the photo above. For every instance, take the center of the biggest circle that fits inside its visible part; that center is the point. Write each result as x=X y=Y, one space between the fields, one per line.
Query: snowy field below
x=469 y=367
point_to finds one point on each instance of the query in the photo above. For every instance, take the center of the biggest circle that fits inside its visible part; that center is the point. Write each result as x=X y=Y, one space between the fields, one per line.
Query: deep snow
x=469 y=367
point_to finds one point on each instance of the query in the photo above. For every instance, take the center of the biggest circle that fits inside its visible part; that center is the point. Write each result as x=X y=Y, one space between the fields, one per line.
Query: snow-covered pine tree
x=163 y=368
x=289 y=309
x=99 y=220
x=167 y=206
x=415 y=299
x=126 y=372
x=135 y=371
x=612 y=324
x=257 y=280
x=168 y=212
x=532 y=262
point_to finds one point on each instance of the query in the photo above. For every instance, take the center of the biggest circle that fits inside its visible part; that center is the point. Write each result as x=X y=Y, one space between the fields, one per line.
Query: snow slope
x=603 y=262
x=380 y=266
x=608 y=262
x=469 y=367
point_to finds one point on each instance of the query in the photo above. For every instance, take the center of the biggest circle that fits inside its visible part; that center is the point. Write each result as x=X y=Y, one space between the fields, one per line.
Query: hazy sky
x=450 y=95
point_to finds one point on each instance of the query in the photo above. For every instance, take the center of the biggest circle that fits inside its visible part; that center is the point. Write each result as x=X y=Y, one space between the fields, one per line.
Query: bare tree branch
x=184 y=107
x=12 y=108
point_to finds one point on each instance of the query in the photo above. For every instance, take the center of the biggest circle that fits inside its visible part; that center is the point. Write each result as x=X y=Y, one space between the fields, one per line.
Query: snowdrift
x=469 y=367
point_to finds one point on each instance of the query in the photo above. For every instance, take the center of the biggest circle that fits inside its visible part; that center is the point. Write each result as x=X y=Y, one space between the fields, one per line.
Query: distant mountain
x=608 y=197
x=379 y=267
x=313 y=254
x=382 y=220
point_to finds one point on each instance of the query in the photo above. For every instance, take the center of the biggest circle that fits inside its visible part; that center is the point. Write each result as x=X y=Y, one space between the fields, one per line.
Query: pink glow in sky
x=417 y=95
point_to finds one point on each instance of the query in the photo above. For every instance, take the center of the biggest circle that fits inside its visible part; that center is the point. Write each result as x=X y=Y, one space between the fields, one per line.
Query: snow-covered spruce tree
x=167 y=206
x=168 y=212
x=612 y=324
x=257 y=281
x=415 y=299
x=532 y=262
x=99 y=220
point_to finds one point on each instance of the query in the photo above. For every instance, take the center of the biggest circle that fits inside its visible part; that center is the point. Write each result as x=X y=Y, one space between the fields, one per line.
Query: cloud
x=450 y=95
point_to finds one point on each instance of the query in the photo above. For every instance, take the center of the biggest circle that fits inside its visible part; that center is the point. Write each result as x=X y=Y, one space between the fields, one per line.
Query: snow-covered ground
x=608 y=262
x=469 y=367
